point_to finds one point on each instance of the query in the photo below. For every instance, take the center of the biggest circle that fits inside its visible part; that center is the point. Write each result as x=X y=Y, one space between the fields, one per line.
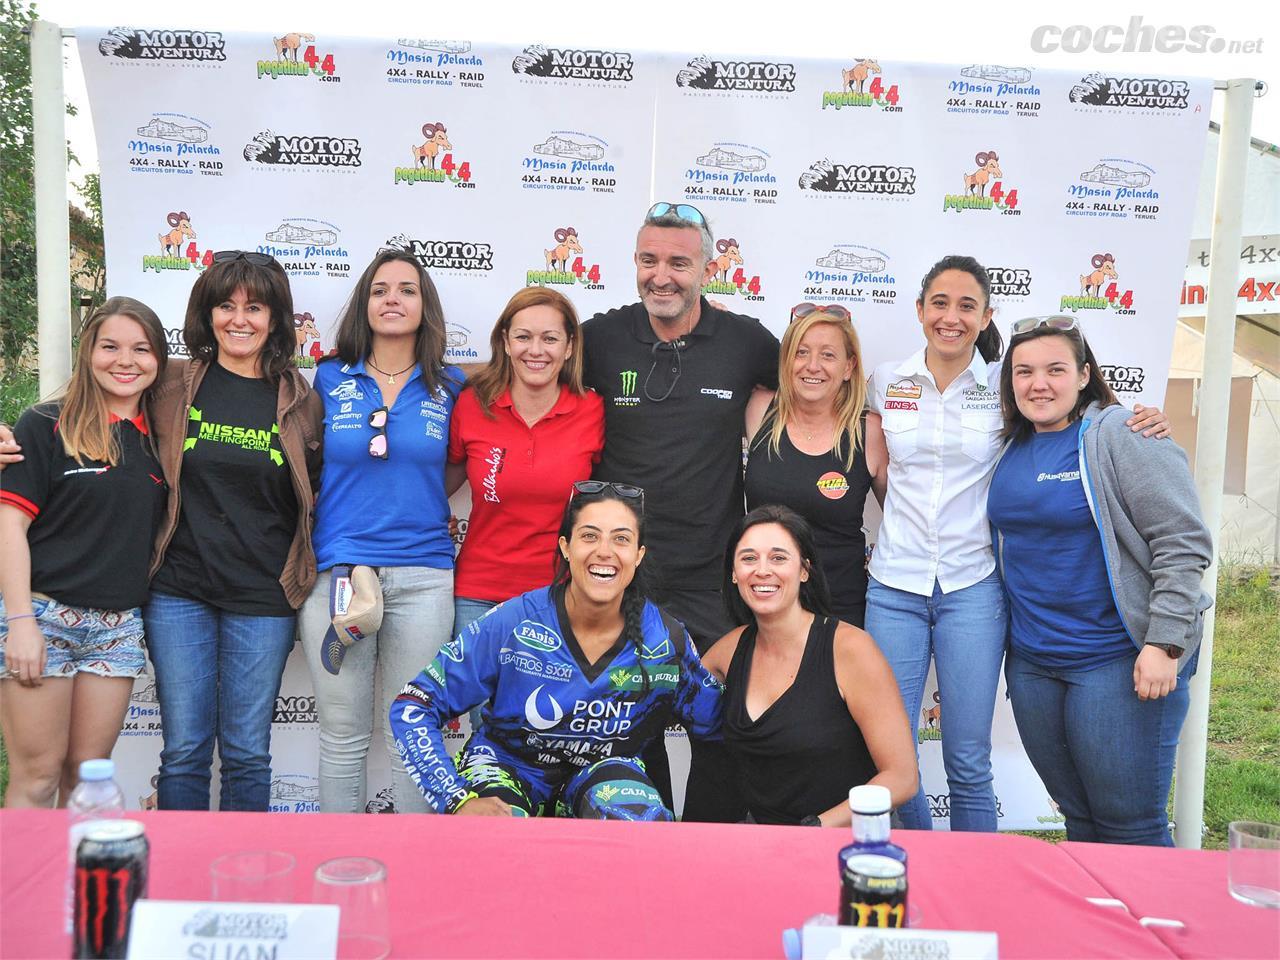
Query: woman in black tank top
x=811 y=706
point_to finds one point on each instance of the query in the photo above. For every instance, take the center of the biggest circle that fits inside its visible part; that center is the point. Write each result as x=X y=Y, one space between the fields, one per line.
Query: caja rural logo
x=1115 y=188
x=984 y=189
x=177 y=245
x=1100 y=289
x=992 y=90
x=557 y=63
x=460 y=255
x=174 y=144
x=307 y=248
x=196 y=46
x=739 y=284
x=737 y=76
x=867 y=179
x=434 y=162
x=296 y=56
x=295 y=150
x=855 y=91
x=565 y=264
x=434 y=62
x=853 y=274
x=1137 y=93
x=732 y=173
x=569 y=160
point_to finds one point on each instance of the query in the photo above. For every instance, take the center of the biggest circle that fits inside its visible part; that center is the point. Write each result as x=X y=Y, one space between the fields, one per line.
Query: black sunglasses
x=257 y=259
x=626 y=491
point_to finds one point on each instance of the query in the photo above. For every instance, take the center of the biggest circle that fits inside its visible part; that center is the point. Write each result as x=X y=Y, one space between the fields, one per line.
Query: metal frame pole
x=1211 y=434
x=53 y=232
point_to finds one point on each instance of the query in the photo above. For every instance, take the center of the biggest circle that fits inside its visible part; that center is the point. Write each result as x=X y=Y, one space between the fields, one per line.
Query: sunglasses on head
x=1056 y=322
x=257 y=259
x=684 y=211
x=626 y=491
x=802 y=310
x=378 y=442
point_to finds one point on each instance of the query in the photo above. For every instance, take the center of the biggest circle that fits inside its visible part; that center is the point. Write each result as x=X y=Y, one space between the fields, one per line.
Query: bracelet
x=9 y=618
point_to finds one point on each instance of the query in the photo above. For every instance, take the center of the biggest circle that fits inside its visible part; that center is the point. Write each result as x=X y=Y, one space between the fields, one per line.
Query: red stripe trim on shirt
x=21 y=502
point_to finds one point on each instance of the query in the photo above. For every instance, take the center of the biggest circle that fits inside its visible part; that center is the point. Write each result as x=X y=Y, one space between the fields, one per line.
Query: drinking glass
x=1253 y=863
x=358 y=886
x=254 y=876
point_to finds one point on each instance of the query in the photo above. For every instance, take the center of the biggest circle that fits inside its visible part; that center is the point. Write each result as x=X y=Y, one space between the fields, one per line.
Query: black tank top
x=830 y=498
x=804 y=753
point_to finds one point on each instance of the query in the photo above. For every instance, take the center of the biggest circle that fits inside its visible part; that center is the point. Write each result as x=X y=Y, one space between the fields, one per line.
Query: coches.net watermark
x=1137 y=37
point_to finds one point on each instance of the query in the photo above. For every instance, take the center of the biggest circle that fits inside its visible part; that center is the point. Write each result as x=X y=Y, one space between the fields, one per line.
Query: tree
x=17 y=190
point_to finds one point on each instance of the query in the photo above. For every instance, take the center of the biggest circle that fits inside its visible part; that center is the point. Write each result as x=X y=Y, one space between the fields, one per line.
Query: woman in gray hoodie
x=1101 y=546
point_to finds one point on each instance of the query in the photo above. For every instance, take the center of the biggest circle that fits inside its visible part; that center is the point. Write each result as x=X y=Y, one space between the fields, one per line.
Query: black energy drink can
x=873 y=892
x=112 y=863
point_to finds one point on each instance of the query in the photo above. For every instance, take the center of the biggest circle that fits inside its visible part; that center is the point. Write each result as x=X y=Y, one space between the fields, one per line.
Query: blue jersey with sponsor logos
x=549 y=710
x=389 y=512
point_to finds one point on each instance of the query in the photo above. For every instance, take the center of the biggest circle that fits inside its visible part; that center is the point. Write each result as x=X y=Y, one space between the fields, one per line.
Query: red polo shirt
x=520 y=478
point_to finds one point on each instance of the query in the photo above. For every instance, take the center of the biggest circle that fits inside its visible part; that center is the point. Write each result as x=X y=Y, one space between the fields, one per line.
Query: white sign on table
x=162 y=929
x=832 y=942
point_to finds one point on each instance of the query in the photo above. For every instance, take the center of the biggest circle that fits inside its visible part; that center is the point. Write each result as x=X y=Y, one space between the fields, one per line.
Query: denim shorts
x=105 y=642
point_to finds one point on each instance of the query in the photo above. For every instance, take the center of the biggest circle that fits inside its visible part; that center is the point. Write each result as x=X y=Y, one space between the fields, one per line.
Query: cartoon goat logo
x=566 y=243
x=1104 y=266
x=729 y=255
x=855 y=78
x=305 y=330
x=289 y=44
x=988 y=162
x=171 y=242
x=932 y=715
x=436 y=141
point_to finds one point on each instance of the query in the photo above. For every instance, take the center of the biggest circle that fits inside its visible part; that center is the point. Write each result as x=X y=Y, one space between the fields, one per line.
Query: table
x=1186 y=885
x=483 y=887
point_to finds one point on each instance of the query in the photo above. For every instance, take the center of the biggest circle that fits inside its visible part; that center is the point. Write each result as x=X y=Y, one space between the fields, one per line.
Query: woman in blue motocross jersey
x=579 y=677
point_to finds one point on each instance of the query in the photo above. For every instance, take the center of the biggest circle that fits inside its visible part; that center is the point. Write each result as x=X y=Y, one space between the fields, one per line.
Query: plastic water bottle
x=793 y=938
x=869 y=806
x=96 y=797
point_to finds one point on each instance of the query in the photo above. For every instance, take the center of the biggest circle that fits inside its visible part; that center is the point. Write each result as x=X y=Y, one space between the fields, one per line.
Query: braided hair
x=635 y=596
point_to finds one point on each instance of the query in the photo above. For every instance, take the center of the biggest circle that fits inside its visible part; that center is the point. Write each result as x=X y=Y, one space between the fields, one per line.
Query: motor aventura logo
x=434 y=62
x=1116 y=188
x=867 y=179
x=295 y=150
x=984 y=189
x=174 y=144
x=177 y=345
x=556 y=63
x=862 y=85
x=737 y=76
x=1123 y=379
x=988 y=89
x=197 y=46
x=294 y=709
x=307 y=247
x=739 y=284
x=296 y=55
x=565 y=264
x=731 y=173
x=1134 y=93
x=463 y=255
x=851 y=273
x=1100 y=289
x=177 y=246
x=433 y=160
x=569 y=160
x=1009 y=282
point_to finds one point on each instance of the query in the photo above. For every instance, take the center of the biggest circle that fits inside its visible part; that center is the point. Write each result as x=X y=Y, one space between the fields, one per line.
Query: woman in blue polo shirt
x=78 y=515
x=387 y=398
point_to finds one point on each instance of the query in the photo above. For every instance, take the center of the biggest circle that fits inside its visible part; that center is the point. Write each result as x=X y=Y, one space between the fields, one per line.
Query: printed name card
x=164 y=929
x=831 y=942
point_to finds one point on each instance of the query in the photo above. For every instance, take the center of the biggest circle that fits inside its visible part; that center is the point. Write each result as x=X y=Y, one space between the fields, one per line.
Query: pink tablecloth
x=1185 y=885
x=480 y=887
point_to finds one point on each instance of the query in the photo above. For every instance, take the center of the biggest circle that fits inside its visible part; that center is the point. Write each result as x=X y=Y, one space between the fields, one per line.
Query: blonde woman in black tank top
x=811 y=707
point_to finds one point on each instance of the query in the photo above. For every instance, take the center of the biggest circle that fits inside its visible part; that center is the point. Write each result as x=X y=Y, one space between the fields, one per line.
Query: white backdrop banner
x=504 y=166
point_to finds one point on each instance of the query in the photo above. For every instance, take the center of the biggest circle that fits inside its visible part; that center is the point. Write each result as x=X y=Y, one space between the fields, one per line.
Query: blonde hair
x=84 y=422
x=850 y=399
x=496 y=375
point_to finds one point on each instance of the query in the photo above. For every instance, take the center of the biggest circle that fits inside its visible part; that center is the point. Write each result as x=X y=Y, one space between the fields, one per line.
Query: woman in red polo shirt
x=522 y=432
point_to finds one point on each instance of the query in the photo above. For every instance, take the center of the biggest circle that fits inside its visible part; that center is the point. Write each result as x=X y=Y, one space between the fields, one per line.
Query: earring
x=734 y=578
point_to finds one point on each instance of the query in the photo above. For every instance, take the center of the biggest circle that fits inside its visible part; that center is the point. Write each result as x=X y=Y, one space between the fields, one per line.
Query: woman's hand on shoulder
x=25 y=654
x=10 y=452
x=1155 y=674
x=1150 y=421
x=484 y=807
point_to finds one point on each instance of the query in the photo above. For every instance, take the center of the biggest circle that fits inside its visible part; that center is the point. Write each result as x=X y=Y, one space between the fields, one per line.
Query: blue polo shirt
x=392 y=512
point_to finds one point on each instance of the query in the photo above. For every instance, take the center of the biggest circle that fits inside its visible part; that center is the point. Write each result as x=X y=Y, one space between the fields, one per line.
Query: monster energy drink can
x=111 y=874
x=873 y=892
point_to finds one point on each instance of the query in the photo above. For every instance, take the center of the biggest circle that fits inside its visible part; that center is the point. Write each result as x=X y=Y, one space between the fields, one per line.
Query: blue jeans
x=217 y=678
x=466 y=612
x=1105 y=756
x=964 y=631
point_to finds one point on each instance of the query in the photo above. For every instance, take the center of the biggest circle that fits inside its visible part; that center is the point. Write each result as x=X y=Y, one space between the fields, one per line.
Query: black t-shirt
x=92 y=525
x=831 y=498
x=239 y=511
x=673 y=425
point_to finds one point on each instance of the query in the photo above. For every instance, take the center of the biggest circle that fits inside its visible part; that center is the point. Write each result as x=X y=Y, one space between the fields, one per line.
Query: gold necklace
x=391 y=377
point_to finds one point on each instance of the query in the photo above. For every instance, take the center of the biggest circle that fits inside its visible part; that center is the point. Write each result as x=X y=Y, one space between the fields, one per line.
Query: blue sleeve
x=699 y=696
x=462 y=676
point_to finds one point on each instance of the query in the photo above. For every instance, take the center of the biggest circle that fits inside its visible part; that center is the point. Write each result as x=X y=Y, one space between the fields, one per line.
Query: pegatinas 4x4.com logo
x=861 y=85
x=1100 y=289
x=296 y=56
x=565 y=264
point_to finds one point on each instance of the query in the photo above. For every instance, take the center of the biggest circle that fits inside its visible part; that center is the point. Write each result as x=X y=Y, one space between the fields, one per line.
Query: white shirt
x=941 y=450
